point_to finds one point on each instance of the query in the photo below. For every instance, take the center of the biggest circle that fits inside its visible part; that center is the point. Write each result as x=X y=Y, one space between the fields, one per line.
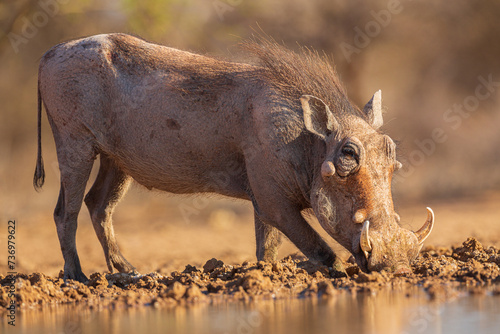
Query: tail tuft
x=39 y=177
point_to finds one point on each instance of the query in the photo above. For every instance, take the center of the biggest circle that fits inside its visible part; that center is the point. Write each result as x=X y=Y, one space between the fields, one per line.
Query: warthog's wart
x=283 y=135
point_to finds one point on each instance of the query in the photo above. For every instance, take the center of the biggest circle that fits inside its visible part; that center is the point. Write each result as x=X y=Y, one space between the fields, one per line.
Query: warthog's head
x=351 y=194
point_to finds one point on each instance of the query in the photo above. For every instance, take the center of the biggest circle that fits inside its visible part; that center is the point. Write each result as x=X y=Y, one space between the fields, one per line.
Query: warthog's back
x=171 y=119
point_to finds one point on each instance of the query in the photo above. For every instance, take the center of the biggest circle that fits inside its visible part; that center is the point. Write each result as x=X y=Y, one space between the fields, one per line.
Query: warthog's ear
x=373 y=110
x=318 y=118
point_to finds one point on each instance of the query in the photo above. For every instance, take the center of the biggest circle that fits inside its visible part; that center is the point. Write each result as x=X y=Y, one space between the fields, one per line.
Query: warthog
x=282 y=135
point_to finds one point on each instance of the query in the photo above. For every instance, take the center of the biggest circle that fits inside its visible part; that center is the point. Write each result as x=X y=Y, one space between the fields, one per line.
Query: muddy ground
x=174 y=239
x=442 y=272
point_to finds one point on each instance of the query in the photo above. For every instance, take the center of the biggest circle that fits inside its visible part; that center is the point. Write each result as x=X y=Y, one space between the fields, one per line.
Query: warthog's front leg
x=287 y=218
x=268 y=240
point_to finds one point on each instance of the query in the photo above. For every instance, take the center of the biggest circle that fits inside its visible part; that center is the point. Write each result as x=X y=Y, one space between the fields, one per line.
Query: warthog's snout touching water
x=282 y=135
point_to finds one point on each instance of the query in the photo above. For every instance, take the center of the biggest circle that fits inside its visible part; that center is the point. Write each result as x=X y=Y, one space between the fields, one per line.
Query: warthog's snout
x=402 y=270
x=392 y=249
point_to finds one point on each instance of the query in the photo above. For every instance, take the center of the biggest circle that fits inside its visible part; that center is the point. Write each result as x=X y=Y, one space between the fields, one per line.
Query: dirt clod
x=254 y=282
x=176 y=291
x=211 y=265
x=98 y=280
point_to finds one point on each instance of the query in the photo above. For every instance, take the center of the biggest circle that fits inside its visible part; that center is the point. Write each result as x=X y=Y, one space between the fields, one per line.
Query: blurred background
x=437 y=63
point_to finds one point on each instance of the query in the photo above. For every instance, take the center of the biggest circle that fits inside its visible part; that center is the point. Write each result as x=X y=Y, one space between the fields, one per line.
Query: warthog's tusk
x=426 y=230
x=364 y=241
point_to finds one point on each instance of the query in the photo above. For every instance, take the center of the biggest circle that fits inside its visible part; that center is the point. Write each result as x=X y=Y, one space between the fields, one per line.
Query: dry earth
x=202 y=250
x=442 y=272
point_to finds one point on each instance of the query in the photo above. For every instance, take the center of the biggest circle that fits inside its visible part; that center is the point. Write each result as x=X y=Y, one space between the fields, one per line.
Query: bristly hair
x=295 y=74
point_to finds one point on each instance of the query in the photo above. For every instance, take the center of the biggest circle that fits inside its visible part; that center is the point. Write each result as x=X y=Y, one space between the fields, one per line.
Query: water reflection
x=384 y=312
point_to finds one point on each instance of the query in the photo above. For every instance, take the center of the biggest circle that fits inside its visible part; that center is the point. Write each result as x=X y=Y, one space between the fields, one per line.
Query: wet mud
x=442 y=272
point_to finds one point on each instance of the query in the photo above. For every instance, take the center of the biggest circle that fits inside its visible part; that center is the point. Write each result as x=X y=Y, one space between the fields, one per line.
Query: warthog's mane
x=294 y=74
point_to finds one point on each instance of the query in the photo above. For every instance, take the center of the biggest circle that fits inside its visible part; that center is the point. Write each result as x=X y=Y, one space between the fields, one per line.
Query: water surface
x=384 y=312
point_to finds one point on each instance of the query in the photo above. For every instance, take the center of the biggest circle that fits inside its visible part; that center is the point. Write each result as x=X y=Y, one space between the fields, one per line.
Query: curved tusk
x=364 y=241
x=426 y=230
x=327 y=169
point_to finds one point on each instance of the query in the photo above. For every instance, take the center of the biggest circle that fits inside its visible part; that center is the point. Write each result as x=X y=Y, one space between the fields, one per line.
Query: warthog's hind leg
x=109 y=187
x=75 y=164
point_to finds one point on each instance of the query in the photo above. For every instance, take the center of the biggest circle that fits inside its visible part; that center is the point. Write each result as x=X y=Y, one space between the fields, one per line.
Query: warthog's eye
x=348 y=159
x=349 y=151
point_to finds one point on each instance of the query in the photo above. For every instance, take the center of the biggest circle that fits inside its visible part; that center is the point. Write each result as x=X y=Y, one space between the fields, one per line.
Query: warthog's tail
x=39 y=177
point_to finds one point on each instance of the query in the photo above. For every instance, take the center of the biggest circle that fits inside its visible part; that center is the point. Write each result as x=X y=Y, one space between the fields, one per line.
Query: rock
x=98 y=280
x=121 y=280
x=326 y=289
x=311 y=268
x=147 y=282
x=37 y=279
x=277 y=267
x=212 y=264
x=471 y=249
x=189 y=269
x=193 y=293
x=254 y=282
x=352 y=270
x=176 y=291
x=370 y=277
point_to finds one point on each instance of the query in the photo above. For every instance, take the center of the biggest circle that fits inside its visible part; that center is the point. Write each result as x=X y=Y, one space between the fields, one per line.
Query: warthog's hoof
x=338 y=269
x=77 y=276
